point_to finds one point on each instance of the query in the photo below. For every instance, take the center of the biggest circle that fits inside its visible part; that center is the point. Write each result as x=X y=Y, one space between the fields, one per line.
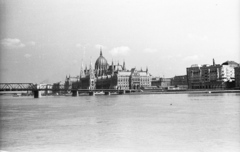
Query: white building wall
x=227 y=73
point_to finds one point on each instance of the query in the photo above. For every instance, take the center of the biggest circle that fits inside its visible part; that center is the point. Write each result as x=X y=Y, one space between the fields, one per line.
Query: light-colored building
x=213 y=76
x=227 y=71
x=133 y=79
x=45 y=88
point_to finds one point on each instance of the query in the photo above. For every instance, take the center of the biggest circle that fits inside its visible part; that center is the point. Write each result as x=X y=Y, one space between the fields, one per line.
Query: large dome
x=101 y=65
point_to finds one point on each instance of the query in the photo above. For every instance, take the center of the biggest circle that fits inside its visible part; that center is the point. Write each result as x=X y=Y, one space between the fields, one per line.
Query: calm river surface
x=141 y=123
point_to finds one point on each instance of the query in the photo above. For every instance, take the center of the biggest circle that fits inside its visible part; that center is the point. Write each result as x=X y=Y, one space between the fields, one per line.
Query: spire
x=213 y=62
x=100 y=51
x=82 y=66
x=124 y=68
x=112 y=67
x=91 y=70
x=82 y=70
x=90 y=64
x=146 y=69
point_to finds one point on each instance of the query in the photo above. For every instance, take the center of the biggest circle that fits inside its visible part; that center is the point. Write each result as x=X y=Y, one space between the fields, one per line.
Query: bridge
x=16 y=86
x=36 y=88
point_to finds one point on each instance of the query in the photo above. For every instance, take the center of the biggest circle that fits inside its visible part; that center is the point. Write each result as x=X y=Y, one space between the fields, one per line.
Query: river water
x=141 y=123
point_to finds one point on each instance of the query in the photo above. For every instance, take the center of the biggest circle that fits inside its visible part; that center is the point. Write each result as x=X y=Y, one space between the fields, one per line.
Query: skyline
x=47 y=40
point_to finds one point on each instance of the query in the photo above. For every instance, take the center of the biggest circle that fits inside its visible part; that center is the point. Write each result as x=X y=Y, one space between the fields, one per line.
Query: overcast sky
x=45 y=40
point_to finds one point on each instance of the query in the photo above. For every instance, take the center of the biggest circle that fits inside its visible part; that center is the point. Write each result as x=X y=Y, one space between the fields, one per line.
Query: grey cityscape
x=119 y=75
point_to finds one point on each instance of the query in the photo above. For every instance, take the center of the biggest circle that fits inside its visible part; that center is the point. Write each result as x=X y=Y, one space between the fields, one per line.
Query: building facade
x=113 y=76
x=180 y=80
x=161 y=82
x=213 y=76
x=237 y=77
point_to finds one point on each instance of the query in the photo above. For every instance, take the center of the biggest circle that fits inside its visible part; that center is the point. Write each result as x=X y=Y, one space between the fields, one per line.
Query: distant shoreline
x=148 y=92
x=187 y=92
x=173 y=92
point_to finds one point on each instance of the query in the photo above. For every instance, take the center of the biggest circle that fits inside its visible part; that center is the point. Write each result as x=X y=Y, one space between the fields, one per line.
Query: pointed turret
x=213 y=62
x=112 y=68
x=146 y=69
x=124 y=68
x=100 y=51
x=118 y=66
x=85 y=69
x=82 y=71
x=90 y=68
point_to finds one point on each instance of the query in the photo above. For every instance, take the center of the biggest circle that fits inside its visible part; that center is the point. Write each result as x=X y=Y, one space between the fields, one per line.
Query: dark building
x=161 y=82
x=179 y=80
x=56 y=88
x=237 y=77
x=71 y=82
x=213 y=76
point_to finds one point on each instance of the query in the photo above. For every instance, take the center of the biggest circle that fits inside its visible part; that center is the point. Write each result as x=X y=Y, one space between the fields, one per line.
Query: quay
x=37 y=90
x=76 y=93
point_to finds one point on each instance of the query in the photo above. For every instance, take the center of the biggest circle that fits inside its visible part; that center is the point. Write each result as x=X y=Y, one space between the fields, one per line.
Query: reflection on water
x=156 y=122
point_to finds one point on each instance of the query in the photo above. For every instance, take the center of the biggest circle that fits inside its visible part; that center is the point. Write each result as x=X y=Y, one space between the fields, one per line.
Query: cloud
x=27 y=55
x=79 y=45
x=75 y=61
x=31 y=43
x=193 y=57
x=196 y=37
x=149 y=50
x=12 y=43
x=122 y=50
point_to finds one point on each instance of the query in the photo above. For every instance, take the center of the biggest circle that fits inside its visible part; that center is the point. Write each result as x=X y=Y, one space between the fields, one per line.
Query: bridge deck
x=46 y=87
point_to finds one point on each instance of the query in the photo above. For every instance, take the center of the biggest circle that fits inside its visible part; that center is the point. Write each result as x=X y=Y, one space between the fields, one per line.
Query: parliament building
x=109 y=76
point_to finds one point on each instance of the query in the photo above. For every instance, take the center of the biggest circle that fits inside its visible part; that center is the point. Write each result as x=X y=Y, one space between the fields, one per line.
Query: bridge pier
x=37 y=94
x=107 y=93
x=74 y=93
x=128 y=91
x=91 y=93
x=122 y=92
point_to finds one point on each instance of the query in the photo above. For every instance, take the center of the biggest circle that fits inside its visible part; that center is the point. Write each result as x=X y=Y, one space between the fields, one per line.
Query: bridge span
x=37 y=88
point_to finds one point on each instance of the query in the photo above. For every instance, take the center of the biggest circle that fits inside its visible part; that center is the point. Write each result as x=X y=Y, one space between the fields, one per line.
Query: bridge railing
x=31 y=86
x=44 y=87
x=16 y=86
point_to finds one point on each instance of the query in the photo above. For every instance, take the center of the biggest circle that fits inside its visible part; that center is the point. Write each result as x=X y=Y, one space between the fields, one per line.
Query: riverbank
x=186 y=92
x=141 y=92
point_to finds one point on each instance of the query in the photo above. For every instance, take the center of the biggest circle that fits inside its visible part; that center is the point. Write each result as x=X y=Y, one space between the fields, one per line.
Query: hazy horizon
x=43 y=41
